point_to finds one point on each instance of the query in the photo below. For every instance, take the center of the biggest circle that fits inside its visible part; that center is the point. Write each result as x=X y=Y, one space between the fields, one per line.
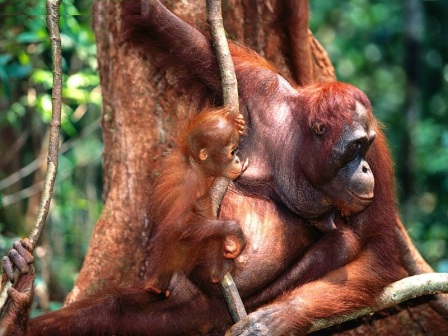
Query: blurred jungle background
x=395 y=51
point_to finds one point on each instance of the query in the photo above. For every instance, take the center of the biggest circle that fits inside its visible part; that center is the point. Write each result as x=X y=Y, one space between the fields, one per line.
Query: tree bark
x=141 y=108
x=131 y=121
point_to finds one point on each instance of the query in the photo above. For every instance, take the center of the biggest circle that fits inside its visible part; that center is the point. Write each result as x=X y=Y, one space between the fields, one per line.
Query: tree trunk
x=141 y=108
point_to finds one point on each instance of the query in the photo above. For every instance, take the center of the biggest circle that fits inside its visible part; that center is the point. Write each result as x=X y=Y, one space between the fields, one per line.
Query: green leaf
x=82 y=80
x=43 y=77
x=78 y=95
x=5 y=58
x=17 y=71
x=5 y=81
x=29 y=37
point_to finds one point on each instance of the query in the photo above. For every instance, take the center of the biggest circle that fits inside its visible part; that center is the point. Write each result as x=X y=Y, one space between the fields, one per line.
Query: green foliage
x=403 y=66
x=25 y=100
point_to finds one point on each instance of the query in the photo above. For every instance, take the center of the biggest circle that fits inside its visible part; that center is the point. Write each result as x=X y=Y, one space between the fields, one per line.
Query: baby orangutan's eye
x=234 y=151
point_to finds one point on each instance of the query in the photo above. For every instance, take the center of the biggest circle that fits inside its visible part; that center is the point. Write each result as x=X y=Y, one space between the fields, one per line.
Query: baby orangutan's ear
x=318 y=128
x=203 y=154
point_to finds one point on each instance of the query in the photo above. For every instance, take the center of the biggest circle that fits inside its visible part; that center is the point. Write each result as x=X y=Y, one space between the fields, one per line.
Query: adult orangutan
x=318 y=159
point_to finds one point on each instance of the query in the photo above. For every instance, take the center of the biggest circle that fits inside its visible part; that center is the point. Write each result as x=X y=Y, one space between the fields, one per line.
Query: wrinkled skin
x=14 y=321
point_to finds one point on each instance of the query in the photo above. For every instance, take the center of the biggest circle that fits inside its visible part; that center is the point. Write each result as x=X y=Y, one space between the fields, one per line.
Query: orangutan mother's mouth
x=365 y=198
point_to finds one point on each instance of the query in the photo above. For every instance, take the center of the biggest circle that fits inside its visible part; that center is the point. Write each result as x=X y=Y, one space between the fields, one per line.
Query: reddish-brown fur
x=290 y=273
x=186 y=234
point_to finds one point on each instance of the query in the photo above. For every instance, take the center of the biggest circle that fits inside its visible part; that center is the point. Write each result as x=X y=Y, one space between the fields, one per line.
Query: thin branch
x=22 y=194
x=37 y=187
x=9 y=199
x=230 y=96
x=55 y=124
x=36 y=163
x=392 y=295
x=415 y=264
x=20 y=174
x=227 y=70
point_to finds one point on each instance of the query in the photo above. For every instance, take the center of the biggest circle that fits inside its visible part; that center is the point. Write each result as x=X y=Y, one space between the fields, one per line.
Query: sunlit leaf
x=28 y=37
x=43 y=77
x=82 y=80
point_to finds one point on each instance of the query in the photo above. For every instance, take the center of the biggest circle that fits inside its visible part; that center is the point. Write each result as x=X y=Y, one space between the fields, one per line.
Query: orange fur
x=186 y=233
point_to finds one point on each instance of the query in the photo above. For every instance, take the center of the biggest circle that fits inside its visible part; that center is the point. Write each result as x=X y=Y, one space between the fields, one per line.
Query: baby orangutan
x=187 y=236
